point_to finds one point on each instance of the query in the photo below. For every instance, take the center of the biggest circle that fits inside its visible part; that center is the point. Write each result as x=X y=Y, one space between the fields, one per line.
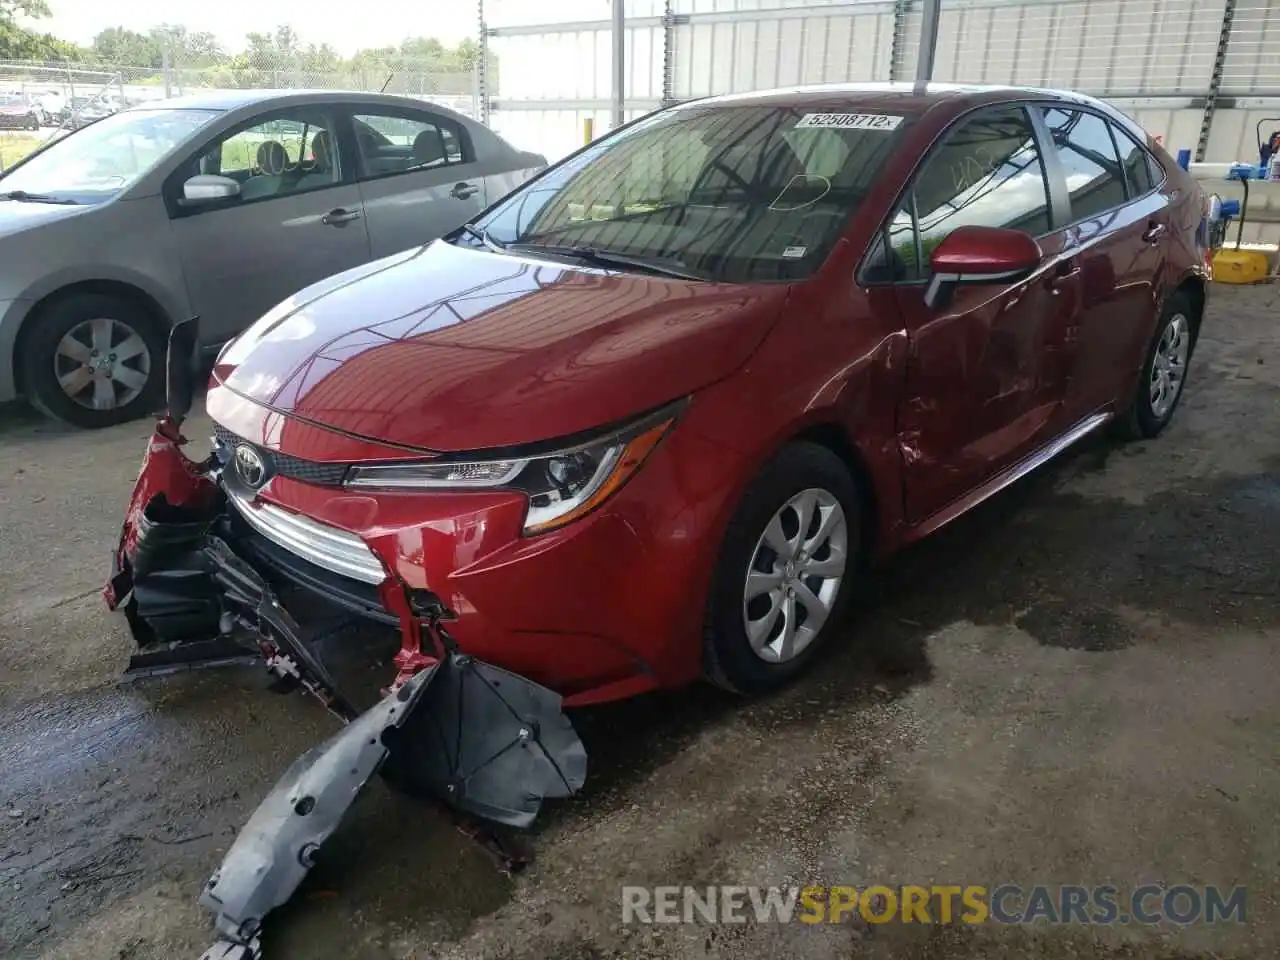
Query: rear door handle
x=1154 y=232
x=464 y=191
x=339 y=217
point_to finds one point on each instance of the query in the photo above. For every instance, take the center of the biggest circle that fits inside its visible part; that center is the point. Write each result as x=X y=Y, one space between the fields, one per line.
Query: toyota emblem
x=250 y=467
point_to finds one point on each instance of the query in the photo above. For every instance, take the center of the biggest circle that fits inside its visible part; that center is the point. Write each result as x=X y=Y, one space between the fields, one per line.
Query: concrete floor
x=1075 y=685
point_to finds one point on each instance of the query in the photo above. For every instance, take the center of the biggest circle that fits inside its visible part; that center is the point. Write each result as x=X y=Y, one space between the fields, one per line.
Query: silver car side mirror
x=208 y=187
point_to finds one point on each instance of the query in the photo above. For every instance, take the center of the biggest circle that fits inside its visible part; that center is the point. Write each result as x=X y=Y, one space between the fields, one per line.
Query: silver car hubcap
x=1169 y=365
x=794 y=575
x=102 y=364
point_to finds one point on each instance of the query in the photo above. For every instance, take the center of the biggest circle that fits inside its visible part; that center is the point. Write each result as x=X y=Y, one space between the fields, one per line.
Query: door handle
x=1155 y=231
x=339 y=217
x=1066 y=270
x=464 y=191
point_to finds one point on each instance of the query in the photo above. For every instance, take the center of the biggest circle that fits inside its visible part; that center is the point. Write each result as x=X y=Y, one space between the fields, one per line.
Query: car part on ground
x=447 y=733
x=278 y=846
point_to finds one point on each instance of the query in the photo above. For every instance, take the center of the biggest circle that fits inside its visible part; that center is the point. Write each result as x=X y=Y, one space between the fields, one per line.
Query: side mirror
x=208 y=187
x=972 y=255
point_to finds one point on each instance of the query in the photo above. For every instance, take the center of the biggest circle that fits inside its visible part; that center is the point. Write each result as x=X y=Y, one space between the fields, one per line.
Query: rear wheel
x=784 y=575
x=1164 y=372
x=93 y=360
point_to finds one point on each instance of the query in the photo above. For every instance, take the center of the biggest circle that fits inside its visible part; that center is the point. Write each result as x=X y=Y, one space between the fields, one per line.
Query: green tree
x=127 y=48
x=188 y=49
x=19 y=43
x=421 y=55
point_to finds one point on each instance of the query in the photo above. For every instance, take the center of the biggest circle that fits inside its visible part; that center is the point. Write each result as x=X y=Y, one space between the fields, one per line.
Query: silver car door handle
x=339 y=217
x=1154 y=232
x=464 y=191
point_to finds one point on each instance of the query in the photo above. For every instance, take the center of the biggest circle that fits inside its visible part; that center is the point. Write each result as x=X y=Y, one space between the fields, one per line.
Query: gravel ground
x=1077 y=684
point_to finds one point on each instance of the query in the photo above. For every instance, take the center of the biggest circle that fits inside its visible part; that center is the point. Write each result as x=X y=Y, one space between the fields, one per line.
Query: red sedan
x=651 y=416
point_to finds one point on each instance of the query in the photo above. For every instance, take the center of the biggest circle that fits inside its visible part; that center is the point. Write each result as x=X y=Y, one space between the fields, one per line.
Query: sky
x=344 y=25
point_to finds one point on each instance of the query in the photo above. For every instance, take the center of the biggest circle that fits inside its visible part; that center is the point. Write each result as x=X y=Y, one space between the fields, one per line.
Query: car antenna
x=390 y=77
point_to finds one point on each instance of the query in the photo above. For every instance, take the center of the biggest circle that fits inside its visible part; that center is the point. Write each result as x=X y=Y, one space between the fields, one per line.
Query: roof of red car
x=904 y=97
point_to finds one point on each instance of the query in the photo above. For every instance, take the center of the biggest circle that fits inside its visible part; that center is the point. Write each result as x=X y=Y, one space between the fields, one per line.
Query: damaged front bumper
x=481 y=740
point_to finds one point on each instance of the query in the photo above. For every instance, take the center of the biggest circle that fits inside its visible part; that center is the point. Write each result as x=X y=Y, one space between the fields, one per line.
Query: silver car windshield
x=104 y=158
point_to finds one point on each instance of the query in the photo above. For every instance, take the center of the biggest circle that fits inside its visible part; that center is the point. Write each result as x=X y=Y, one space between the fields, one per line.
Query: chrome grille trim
x=325 y=546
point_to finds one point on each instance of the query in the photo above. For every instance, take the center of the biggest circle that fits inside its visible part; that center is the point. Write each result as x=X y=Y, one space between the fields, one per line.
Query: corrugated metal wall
x=730 y=50
x=1154 y=58
x=1112 y=47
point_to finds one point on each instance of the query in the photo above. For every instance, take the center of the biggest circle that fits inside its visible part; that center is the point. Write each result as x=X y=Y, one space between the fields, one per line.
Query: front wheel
x=94 y=361
x=784 y=574
x=1164 y=372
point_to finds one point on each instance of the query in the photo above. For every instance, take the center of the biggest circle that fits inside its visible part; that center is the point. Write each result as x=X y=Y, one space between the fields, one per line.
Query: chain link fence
x=42 y=101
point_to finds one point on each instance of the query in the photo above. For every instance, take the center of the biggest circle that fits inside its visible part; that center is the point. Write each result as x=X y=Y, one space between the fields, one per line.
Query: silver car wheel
x=102 y=364
x=794 y=576
x=1169 y=365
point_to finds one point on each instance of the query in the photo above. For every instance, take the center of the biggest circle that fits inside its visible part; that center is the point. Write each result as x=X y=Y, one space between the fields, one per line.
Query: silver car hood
x=19 y=215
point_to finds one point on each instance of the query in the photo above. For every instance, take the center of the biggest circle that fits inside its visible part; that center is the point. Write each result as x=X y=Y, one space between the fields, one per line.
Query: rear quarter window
x=1137 y=162
x=1087 y=155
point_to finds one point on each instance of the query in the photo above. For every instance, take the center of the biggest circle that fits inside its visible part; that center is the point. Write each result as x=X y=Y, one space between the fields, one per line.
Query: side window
x=1153 y=168
x=988 y=172
x=1134 y=159
x=398 y=143
x=1089 y=160
x=893 y=257
x=288 y=153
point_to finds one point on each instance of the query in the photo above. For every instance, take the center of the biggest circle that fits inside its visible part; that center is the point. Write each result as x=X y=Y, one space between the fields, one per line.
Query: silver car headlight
x=562 y=484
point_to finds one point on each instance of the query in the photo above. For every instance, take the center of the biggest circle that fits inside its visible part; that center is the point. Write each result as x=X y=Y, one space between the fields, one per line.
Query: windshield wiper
x=661 y=206
x=660 y=266
x=25 y=197
x=483 y=236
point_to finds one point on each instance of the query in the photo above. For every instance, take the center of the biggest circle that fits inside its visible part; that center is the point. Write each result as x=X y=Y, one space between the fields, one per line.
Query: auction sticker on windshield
x=850 y=121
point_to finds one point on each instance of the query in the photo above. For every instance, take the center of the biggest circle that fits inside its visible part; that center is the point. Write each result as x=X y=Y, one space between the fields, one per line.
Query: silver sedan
x=219 y=205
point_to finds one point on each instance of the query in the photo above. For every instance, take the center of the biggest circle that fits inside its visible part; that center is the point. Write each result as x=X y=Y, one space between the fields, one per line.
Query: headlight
x=562 y=485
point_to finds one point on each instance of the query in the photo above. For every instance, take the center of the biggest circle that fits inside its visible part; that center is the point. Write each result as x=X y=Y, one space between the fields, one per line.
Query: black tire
x=728 y=658
x=1140 y=421
x=40 y=363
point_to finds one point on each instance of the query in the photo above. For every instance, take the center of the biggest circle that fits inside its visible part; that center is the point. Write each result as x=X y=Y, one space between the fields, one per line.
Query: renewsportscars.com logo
x=1179 y=904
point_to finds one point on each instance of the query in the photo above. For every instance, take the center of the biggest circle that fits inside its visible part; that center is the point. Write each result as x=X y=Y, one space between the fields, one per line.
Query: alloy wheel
x=102 y=364
x=1169 y=365
x=794 y=576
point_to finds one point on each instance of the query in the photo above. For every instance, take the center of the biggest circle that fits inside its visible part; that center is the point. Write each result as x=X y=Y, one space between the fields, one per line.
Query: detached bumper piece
x=278 y=845
x=448 y=732
x=480 y=740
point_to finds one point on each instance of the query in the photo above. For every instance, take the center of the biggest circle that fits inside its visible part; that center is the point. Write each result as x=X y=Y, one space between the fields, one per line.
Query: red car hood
x=449 y=348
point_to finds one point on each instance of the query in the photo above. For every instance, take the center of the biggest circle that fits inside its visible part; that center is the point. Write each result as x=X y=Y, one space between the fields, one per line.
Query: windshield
x=99 y=161
x=732 y=193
